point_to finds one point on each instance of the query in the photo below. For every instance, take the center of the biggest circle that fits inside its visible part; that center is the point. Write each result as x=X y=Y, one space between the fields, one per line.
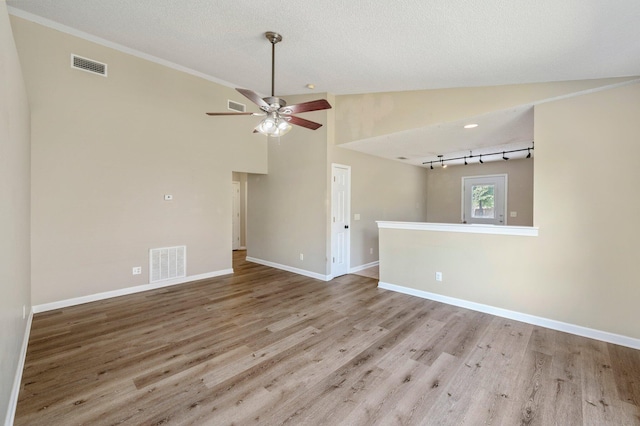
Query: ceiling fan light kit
x=273 y=125
x=278 y=116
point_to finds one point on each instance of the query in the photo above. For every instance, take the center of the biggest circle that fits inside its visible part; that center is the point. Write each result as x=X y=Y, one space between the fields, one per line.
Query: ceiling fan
x=278 y=116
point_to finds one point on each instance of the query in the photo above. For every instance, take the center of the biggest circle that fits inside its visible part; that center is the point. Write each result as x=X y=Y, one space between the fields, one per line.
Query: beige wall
x=444 y=190
x=287 y=208
x=374 y=114
x=106 y=150
x=14 y=212
x=381 y=189
x=583 y=267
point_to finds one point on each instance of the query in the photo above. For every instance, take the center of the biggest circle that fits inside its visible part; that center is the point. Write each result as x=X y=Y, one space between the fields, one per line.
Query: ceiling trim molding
x=112 y=45
x=632 y=80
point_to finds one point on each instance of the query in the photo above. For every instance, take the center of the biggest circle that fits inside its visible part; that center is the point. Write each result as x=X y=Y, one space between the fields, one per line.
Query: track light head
x=481 y=162
x=465 y=161
x=503 y=157
x=432 y=165
x=528 y=152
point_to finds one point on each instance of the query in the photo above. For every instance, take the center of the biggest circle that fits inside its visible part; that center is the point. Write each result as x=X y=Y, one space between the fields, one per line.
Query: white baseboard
x=291 y=269
x=15 y=390
x=124 y=291
x=363 y=267
x=517 y=316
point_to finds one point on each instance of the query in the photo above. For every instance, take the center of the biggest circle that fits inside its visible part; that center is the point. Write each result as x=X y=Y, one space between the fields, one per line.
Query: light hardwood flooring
x=264 y=346
x=372 y=272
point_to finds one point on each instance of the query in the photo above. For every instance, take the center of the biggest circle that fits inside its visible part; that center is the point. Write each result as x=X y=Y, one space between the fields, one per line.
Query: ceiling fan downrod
x=273 y=38
x=279 y=117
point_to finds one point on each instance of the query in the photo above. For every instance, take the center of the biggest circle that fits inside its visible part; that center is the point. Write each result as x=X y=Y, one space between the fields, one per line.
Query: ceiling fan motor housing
x=275 y=103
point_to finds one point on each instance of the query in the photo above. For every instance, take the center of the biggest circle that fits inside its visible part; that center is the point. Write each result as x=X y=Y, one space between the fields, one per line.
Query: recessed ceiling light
x=311 y=86
x=471 y=126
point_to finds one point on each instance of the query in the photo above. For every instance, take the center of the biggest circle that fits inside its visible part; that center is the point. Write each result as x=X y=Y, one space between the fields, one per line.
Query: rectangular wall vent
x=236 y=106
x=167 y=263
x=88 y=65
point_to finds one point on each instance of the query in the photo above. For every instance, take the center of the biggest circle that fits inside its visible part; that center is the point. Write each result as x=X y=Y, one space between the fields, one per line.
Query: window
x=484 y=199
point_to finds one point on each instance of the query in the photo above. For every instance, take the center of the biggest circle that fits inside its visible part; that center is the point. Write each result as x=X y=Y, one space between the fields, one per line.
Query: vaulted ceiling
x=358 y=46
x=362 y=46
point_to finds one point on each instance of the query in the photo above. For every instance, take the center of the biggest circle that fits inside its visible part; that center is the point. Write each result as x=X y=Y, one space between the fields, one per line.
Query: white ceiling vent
x=236 y=106
x=167 y=263
x=88 y=65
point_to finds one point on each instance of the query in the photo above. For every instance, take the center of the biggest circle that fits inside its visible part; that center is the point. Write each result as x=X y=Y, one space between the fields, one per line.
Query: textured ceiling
x=506 y=130
x=360 y=46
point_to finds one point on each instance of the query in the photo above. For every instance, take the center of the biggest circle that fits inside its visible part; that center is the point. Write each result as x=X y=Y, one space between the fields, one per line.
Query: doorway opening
x=239 y=190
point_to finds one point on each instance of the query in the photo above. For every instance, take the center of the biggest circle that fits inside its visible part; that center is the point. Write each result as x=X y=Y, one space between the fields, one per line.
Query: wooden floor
x=270 y=347
x=372 y=272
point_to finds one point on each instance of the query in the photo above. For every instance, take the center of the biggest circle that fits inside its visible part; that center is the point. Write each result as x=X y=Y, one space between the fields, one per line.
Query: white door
x=340 y=199
x=235 y=215
x=484 y=199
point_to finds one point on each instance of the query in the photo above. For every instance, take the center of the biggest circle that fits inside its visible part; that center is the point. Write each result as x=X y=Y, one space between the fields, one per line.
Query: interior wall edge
x=44 y=307
x=288 y=268
x=363 y=267
x=552 y=324
x=15 y=389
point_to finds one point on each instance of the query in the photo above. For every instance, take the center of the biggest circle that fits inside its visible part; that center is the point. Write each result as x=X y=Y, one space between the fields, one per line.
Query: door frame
x=506 y=190
x=347 y=249
x=235 y=222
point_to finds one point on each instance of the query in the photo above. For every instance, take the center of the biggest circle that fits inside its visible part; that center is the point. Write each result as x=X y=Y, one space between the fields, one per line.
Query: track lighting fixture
x=443 y=160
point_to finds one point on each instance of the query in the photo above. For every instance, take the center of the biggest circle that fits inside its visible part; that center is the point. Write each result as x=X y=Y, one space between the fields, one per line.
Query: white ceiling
x=358 y=46
x=363 y=46
x=498 y=131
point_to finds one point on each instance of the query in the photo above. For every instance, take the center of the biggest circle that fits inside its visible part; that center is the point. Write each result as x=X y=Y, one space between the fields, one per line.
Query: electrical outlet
x=438 y=276
x=301 y=256
x=137 y=270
